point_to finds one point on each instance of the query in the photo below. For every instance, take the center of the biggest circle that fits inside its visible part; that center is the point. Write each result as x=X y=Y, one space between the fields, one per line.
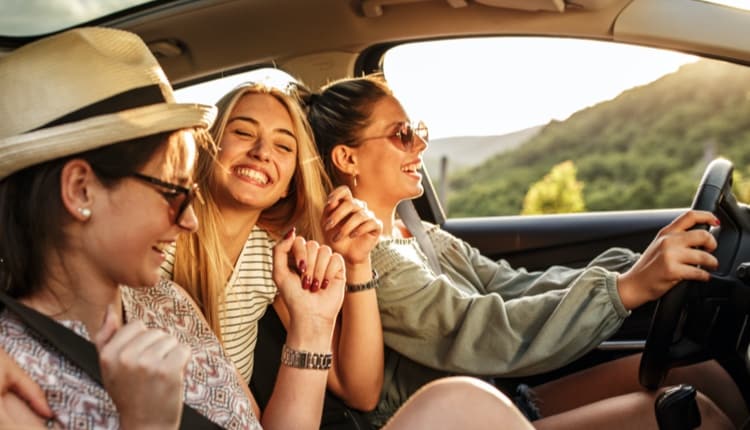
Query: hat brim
x=47 y=144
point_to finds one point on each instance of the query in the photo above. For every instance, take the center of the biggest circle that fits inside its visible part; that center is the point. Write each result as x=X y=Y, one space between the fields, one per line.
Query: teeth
x=252 y=174
x=161 y=246
x=411 y=167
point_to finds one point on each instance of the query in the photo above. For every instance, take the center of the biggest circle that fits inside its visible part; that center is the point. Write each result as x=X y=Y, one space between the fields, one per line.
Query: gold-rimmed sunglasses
x=404 y=136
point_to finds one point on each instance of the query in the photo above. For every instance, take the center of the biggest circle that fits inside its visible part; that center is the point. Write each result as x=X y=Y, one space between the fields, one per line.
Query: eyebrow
x=254 y=121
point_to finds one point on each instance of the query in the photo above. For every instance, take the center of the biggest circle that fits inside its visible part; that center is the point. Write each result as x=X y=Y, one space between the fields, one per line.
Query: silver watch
x=304 y=359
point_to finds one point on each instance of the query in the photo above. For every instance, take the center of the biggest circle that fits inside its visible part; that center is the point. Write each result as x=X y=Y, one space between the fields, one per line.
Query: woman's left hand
x=350 y=228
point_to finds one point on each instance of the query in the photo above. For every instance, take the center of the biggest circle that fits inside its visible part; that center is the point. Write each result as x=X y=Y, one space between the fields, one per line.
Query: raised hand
x=143 y=371
x=677 y=253
x=350 y=228
x=310 y=278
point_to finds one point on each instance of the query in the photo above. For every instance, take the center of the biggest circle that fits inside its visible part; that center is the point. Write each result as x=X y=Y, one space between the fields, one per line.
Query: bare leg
x=461 y=403
x=620 y=377
x=629 y=411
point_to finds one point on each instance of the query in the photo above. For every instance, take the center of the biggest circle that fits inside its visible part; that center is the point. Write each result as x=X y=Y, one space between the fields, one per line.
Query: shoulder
x=157 y=302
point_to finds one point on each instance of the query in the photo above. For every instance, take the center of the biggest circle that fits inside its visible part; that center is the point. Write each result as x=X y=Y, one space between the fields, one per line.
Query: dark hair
x=340 y=111
x=32 y=214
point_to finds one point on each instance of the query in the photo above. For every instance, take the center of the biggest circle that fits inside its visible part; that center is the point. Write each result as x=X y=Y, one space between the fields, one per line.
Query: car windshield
x=530 y=125
x=26 y=18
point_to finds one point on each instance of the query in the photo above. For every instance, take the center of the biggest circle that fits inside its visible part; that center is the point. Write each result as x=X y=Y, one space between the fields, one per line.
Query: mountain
x=468 y=151
x=645 y=148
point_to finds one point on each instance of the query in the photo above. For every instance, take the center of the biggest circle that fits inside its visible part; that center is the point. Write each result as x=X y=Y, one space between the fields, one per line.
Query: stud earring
x=85 y=212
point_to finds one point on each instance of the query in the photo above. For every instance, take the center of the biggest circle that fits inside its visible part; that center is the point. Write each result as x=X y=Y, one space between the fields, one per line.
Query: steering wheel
x=697 y=321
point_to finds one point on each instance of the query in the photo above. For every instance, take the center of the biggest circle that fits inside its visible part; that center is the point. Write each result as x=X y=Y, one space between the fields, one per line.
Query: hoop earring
x=85 y=212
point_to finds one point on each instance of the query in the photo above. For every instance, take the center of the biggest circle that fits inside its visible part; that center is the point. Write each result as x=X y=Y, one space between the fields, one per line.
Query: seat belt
x=83 y=353
x=408 y=214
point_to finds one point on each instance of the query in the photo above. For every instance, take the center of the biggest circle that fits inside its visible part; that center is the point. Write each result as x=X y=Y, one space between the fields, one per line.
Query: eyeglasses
x=178 y=197
x=404 y=137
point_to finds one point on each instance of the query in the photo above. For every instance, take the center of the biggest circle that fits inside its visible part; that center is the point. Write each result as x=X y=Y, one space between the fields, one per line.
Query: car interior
x=319 y=41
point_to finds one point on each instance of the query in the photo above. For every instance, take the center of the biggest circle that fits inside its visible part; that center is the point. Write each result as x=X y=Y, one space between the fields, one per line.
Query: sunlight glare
x=489 y=86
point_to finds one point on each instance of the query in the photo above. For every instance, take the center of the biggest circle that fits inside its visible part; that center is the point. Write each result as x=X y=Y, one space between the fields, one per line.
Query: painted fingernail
x=717 y=221
x=290 y=233
x=314 y=286
x=324 y=284
x=305 y=283
x=302 y=267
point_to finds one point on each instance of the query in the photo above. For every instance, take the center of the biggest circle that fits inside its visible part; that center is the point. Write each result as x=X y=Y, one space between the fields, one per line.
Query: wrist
x=626 y=291
x=300 y=359
x=369 y=285
x=358 y=273
x=310 y=334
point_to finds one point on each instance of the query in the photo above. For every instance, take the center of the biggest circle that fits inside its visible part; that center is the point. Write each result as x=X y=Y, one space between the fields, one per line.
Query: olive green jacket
x=485 y=318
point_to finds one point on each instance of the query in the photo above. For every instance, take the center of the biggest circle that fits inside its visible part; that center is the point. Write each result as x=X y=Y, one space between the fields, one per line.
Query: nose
x=260 y=150
x=419 y=144
x=188 y=221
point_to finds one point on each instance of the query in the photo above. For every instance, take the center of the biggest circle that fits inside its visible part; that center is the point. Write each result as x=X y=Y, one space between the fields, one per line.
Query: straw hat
x=81 y=90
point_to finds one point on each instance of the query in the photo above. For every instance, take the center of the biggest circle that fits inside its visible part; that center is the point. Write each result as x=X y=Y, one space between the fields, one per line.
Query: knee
x=467 y=393
x=712 y=416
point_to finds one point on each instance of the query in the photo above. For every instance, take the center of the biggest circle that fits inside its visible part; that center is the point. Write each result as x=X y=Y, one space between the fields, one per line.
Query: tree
x=741 y=187
x=558 y=192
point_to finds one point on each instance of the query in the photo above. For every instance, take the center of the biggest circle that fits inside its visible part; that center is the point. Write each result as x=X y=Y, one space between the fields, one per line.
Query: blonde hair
x=200 y=261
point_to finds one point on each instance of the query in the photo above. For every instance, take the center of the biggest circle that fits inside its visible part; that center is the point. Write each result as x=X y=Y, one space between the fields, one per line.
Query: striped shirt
x=249 y=292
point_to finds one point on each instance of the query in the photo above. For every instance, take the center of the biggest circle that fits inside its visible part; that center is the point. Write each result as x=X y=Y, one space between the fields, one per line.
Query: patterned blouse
x=248 y=293
x=212 y=386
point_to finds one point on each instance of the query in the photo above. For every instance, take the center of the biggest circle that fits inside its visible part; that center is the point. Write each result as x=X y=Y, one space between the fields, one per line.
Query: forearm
x=357 y=375
x=440 y=327
x=297 y=398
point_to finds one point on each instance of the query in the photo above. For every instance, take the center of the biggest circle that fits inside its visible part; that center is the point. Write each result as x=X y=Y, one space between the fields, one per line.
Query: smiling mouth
x=252 y=174
x=412 y=167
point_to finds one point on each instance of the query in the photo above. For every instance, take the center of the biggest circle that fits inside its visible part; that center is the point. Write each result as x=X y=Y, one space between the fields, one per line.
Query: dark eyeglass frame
x=405 y=136
x=179 y=206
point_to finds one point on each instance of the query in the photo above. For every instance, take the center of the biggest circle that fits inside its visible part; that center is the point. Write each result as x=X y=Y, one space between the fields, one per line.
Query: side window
x=548 y=125
x=209 y=92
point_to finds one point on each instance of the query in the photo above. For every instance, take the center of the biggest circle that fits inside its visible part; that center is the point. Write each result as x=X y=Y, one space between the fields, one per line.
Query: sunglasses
x=404 y=137
x=178 y=197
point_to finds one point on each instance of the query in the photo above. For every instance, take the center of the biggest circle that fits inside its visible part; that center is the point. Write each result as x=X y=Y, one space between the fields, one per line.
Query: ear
x=77 y=180
x=345 y=159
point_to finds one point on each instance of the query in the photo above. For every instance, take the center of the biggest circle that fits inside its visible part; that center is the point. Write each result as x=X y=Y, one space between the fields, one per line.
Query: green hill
x=644 y=149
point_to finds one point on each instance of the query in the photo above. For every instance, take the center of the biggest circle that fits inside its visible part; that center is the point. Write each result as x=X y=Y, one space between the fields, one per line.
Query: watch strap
x=305 y=359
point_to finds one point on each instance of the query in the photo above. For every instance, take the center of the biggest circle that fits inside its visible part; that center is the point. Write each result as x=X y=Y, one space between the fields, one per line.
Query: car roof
x=318 y=41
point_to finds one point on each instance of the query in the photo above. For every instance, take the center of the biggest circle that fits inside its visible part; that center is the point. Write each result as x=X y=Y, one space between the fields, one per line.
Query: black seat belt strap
x=84 y=354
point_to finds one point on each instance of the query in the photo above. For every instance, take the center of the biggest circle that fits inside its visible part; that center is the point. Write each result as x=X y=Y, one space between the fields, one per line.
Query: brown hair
x=340 y=111
x=32 y=213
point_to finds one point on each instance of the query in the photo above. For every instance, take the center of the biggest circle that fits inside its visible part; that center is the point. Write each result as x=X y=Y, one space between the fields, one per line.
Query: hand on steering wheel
x=678 y=253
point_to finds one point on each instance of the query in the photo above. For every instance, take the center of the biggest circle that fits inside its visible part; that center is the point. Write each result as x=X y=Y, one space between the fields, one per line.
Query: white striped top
x=249 y=292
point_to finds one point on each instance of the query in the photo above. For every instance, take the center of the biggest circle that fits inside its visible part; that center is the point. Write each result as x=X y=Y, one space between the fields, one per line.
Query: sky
x=486 y=86
x=500 y=85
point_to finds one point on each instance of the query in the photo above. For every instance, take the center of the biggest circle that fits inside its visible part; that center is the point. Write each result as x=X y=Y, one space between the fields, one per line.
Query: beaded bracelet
x=305 y=360
x=372 y=283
